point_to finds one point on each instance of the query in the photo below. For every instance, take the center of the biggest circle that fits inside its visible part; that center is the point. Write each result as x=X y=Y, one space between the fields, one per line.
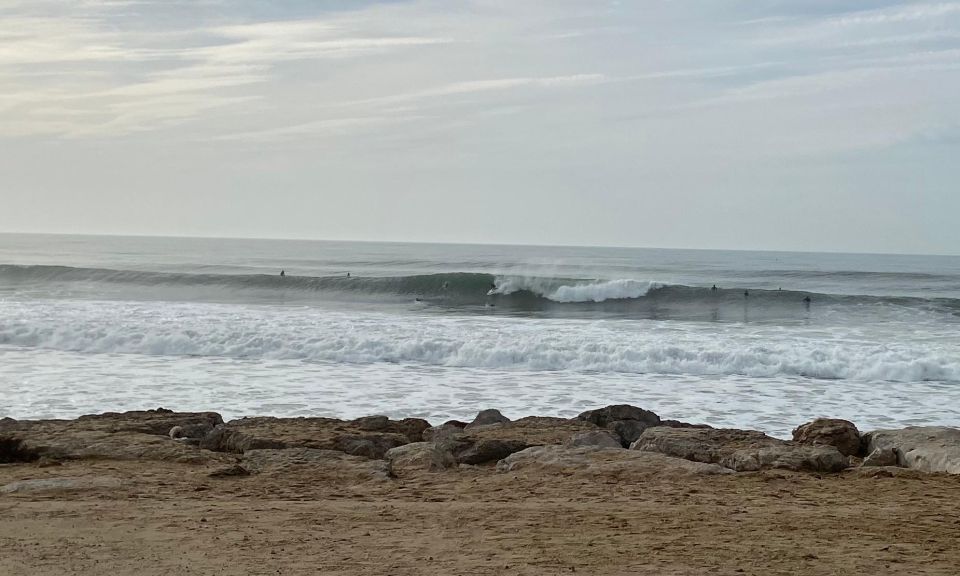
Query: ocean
x=92 y=323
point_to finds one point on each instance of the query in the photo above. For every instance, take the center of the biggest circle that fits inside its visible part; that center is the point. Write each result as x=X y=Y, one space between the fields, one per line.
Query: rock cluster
x=376 y=448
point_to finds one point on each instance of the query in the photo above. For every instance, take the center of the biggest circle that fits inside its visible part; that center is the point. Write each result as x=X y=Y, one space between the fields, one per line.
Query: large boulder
x=740 y=450
x=370 y=437
x=924 y=448
x=610 y=463
x=419 y=457
x=492 y=442
x=488 y=417
x=628 y=422
x=137 y=435
x=841 y=434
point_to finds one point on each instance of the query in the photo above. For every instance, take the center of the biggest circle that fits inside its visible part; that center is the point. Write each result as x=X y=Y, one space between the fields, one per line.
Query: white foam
x=627 y=347
x=586 y=292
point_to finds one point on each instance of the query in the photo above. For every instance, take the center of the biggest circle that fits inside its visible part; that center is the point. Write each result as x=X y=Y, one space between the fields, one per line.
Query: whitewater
x=90 y=324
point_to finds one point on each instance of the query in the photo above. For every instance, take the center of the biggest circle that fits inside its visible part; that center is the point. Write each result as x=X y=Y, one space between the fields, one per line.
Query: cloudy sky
x=771 y=124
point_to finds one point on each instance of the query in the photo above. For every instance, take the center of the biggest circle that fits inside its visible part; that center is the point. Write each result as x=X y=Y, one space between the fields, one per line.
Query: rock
x=315 y=465
x=924 y=448
x=487 y=417
x=678 y=424
x=488 y=450
x=353 y=437
x=230 y=472
x=71 y=484
x=158 y=422
x=438 y=433
x=627 y=430
x=626 y=421
x=830 y=432
x=418 y=457
x=881 y=457
x=372 y=423
x=604 y=416
x=13 y=450
x=740 y=450
x=596 y=438
x=610 y=463
x=140 y=435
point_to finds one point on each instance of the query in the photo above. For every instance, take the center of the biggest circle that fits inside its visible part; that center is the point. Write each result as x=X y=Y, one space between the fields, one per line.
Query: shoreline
x=160 y=492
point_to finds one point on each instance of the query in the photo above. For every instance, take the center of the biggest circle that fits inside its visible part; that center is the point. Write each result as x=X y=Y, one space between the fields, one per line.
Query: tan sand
x=167 y=518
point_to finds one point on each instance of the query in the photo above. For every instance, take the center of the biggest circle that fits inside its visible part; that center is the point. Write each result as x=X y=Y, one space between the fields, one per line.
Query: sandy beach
x=179 y=509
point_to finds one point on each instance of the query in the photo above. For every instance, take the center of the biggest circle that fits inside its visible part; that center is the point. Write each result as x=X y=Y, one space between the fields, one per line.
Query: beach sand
x=161 y=518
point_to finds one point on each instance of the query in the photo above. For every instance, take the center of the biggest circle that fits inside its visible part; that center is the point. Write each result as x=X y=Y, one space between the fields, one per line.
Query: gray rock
x=597 y=439
x=372 y=423
x=626 y=421
x=419 y=457
x=611 y=463
x=628 y=431
x=740 y=450
x=881 y=457
x=604 y=416
x=370 y=437
x=487 y=417
x=924 y=448
x=437 y=433
x=72 y=484
x=489 y=450
x=842 y=434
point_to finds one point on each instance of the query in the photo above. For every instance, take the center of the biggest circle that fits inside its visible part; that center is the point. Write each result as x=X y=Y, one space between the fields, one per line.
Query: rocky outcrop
x=370 y=437
x=611 y=463
x=628 y=422
x=136 y=435
x=487 y=417
x=594 y=438
x=740 y=450
x=924 y=448
x=841 y=434
x=419 y=457
x=489 y=443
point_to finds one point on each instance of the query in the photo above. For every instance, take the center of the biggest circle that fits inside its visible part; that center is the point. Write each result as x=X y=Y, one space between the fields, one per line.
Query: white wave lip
x=639 y=347
x=589 y=292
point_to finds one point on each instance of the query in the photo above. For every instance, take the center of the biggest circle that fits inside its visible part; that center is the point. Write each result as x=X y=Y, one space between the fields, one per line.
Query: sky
x=809 y=125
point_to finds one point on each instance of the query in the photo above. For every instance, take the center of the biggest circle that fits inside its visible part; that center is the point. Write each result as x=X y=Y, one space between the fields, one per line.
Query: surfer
x=806 y=302
x=746 y=293
x=348 y=274
x=714 y=289
x=282 y=273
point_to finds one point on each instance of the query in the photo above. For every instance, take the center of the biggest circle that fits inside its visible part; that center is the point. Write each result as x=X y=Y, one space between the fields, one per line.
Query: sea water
x=90 y=324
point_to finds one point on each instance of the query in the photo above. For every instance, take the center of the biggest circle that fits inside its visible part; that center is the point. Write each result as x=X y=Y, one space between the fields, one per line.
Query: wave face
x=464 y=291
x=314 y=335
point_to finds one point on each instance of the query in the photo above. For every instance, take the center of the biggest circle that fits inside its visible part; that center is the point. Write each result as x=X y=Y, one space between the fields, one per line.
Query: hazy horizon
x=780 y=125
x=504 y=244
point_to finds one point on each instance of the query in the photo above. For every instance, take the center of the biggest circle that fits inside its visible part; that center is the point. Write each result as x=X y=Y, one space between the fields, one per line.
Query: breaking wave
x=313 y=335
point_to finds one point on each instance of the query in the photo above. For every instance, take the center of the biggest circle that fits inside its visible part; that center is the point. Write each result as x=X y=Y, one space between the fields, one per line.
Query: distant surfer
x=806 y=302
x=282 y=273
x=445 y=285
x=746 y=293
x=714 y=289
x=348 y=274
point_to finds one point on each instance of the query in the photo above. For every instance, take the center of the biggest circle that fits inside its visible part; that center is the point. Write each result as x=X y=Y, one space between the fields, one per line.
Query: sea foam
x=629 y=347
